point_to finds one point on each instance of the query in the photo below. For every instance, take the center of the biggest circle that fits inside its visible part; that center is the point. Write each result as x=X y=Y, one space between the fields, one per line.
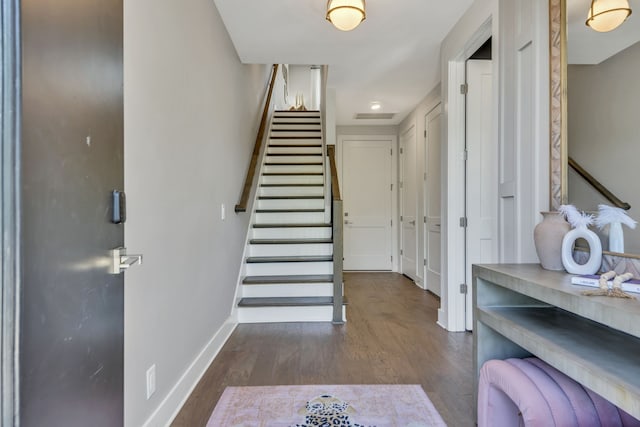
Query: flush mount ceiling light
x=345 y=15
x=375 y=105
x=607 y=15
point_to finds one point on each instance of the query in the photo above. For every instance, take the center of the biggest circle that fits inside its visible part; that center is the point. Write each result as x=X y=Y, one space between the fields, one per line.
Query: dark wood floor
x=390 y=338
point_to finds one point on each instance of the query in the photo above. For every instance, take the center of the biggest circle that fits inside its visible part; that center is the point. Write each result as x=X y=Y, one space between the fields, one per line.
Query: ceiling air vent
x=374 y=116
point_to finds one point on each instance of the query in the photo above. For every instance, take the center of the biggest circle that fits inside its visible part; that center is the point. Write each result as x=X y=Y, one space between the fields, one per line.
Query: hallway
x=391 y=337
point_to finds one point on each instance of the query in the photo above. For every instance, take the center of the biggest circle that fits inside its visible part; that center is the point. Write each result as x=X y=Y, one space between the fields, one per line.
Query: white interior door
x=408 y=212
x=432 y=201
x=367 y=194
x=481 y=175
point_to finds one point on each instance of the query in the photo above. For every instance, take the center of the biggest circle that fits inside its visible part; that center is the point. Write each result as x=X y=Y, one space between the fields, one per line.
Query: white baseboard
x=171 y=405
x=442 y=318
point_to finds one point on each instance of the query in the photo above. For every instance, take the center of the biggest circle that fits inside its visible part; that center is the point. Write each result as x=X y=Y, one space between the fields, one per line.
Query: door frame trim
x=10 y=278
x=395 y=215
x=451 y=313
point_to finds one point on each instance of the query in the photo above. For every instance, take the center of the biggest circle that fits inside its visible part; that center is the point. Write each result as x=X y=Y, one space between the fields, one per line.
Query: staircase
x=288 y=273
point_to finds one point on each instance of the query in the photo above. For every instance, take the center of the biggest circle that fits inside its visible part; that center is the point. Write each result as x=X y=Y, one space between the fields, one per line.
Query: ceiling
x=392 y=57
x=586 y=46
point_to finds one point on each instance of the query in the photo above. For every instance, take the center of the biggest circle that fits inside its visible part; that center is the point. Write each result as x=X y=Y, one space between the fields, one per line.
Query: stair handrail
x=338 y=298
x=335 y=186
x=598 y=185
x=251 y=172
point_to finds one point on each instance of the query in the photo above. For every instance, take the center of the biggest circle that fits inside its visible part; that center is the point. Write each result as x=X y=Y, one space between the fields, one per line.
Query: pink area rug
x=325 y=405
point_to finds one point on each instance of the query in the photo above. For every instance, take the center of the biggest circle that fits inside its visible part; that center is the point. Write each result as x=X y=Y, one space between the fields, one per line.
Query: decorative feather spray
x=614 y=218
x=576 y=218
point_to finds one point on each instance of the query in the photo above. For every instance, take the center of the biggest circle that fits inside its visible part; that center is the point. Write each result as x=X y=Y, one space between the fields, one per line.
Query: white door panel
x=432 y=200
x=482 y=178
x=367 y=179
x=408 y=203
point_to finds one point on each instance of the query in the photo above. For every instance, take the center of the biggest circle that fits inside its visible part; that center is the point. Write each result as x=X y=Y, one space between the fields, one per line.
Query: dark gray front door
x=72 y=326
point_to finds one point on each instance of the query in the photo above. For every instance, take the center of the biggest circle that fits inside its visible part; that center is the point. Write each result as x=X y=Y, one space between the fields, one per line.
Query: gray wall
x=604 y=101
x=191 y=112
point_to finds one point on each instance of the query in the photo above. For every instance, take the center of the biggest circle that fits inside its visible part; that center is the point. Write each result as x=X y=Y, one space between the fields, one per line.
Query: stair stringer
x=252 y=217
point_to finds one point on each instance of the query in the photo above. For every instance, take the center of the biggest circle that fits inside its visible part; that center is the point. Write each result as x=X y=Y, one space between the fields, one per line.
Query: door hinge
x=424 y=219
x=463 y=221
x=401 y=252
x=401 y=151
x=425 y=262
x=464 y=288
x=465 y=155
x=464 y=88
x=392 y=223
x=392 y=151
x=391 y=258
x=400 y=218
x=425 y=176
x=425 y=133
x=391 y=187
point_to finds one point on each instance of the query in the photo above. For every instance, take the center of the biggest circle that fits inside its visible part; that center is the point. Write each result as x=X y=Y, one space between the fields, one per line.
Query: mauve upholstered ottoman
x=529 y=392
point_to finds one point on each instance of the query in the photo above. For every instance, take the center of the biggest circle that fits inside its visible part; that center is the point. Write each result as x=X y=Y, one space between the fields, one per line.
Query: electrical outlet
x=223 y=212
x=151 y=381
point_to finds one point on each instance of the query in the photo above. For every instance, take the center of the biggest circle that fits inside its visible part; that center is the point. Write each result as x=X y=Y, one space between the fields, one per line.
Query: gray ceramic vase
x=547 y=236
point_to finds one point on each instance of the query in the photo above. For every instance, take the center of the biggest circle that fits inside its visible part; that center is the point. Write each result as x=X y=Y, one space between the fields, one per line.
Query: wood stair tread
x=291 y=173
x=294 y=225
x=290 y=197
x=289 y=210
x=293 y=154
x=269 y=259
x=278 y=122
x=292 y=185
x=294 y=130
x=287 y=302
x=295 y=137
x=276 y=112
x=293 y=164
x=301 y=241
x=301 y=278
x=295 y=146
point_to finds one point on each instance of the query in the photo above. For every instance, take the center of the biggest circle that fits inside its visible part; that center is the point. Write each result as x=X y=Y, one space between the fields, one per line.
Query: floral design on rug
x=328 y=411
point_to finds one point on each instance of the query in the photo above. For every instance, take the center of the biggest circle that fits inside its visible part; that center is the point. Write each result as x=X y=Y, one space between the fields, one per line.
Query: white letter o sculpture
x=595 y=251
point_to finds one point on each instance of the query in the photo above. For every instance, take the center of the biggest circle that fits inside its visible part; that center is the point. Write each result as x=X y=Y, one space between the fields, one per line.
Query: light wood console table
x=522 y=310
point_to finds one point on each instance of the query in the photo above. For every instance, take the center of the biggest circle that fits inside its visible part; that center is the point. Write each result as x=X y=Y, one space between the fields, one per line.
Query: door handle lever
x=121 y=261
x=412 y=222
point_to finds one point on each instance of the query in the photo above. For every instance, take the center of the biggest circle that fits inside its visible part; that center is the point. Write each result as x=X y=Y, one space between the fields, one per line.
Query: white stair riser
x=301 y=141
x=292 y=179
x=291 y=204
x=301 y=126
x=297 y=134
x=294 y=159
x=292 y=233
x=294 y=150
x=286 y=314
x=292 y=169
x=296 y=114
x=293 y=119
x=288 y=290
x=288 y=268
x=291 y=191
x=291 y=249
x=289 y=217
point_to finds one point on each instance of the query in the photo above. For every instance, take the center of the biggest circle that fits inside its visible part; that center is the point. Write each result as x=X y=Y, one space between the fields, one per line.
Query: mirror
x=595 y=102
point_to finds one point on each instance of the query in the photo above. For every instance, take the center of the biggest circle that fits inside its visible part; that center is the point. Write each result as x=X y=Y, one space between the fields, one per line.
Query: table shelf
x=594 y=340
